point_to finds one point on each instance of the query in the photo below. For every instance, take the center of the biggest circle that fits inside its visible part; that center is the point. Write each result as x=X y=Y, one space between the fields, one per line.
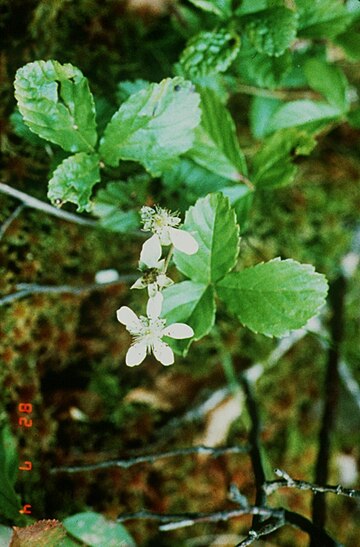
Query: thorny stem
x=331 y=389
x=6 y=224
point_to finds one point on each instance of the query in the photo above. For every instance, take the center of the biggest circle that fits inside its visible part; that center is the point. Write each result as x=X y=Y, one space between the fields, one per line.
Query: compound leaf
x=96 y=531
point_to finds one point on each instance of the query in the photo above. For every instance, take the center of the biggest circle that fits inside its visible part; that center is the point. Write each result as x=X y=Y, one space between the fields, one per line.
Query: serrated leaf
x=118 y=203
x=271 y=31
x=261 y=69
x=73 y=180
x=322 y=18
x=273 y=164
x=5 y=535
x=275 y=297
x=330 y=81
x=251 y=6
x=216 y=145
x=154 y=126
x=209 y=53
x=22 y=130
x=191 y=303
x=213 y=224
x=261 y=110
x=96 y=531
x=241 y=198
x=222 y=8
x=56 y=104
x=303 y=112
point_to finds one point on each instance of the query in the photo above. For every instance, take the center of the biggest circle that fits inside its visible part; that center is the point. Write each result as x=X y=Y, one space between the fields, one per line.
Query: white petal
x=151 y=252
x=152 y=289
x=163 y=353
x=135 y=354
x=178 y=330
x=139 y=284
x=128 y=318
x=154 y=305
x=183 y=241
x=164 y=281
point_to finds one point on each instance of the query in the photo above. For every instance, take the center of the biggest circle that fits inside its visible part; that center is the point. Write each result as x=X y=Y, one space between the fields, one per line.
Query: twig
x=268 y=528
x=5 y=225
x=151 y=458
x=174 y=521
x=34 y=203
x=331 y=389
x=29 y=289
x=349 y=382
x=288 y=482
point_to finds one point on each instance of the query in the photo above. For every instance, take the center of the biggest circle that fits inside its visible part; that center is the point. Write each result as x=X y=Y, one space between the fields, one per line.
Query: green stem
x=168 y=258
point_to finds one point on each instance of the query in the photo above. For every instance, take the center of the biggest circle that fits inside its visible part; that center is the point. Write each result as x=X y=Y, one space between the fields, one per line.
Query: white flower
x=148 y=333
x=154 y=277
x=162 y=223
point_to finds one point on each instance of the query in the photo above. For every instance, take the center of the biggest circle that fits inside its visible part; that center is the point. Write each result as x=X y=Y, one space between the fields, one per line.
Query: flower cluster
x=148 y=331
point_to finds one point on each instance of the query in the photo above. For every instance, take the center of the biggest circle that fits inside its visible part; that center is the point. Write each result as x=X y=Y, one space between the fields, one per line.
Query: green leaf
x=216 y=145
x=275 y=297
x=322 y=18
x=222 y=8
x=191 y=303
x=261 y=110
x=74 y=179
x=57 y=105
x=349 y=41
x=271 y=31
x=330 y=81
x=251 y=6
x=118 y=203
x=213 y=223
x=261 y=70
x=241 y=198
x=5 y=535
x=22 y=130
x=154 y=126
x=10 y=502
x=296 y=113
x=273 y=164
x=354 y=118
x=128 y=87
x=210 y=53
x=96 y=531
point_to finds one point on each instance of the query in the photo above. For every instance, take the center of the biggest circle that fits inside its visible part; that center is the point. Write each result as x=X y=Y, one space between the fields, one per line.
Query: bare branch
x=5 y=225
x=288 y=482
x=29 y=289
x=174 y=521
x=269 y=527
x=35 y=203
x=151 y=458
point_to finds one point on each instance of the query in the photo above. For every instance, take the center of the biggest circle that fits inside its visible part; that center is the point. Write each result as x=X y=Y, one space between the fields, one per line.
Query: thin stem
x=29 y=289
x=288 y=482
x=151 y=458
x=255 y=452
x=168 y=258
x=6 y=224
x=283 y=94
x=35 y=203
x=331 y=389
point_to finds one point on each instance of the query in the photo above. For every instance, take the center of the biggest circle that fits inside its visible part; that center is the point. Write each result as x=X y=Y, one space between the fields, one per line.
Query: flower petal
x=151 y=252
x=128 y=318
x=135 y=354
x=139 y=284
x=164 y=281
x=179 y=331
x=163 y=353
x=183 y=241
x=154 y=305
